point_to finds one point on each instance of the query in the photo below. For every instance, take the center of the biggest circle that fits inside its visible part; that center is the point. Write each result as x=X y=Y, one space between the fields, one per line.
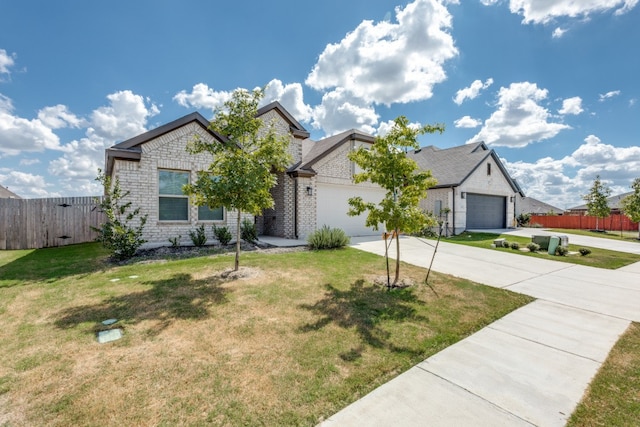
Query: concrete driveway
x=529 y=368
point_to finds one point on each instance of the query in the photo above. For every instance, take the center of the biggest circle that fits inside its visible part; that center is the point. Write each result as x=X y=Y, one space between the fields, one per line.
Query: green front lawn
x=628 y=236
x=297 y=337
x=613 y=398
x=600 y=258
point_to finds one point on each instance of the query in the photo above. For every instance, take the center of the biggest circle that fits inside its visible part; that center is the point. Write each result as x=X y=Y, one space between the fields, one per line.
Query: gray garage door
x=485 y=211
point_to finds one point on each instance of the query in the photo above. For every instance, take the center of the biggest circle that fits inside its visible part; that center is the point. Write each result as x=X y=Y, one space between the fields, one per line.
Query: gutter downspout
x=453 y=210
x=295 y=210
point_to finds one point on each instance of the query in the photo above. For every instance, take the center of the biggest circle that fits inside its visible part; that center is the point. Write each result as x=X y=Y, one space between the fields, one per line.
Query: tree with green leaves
x=119 y=233
x=386 y=164
x=241 y=174
x=597 y=204
x=631 y=204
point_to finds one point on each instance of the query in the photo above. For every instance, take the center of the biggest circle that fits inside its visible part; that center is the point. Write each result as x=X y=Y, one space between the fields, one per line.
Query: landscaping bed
x=600 y=258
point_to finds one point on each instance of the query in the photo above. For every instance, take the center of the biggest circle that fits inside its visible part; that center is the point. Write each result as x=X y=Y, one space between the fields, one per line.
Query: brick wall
x=141 y=179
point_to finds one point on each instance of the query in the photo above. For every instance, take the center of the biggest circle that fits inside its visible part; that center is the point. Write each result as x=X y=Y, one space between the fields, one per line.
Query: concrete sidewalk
x=529 y=368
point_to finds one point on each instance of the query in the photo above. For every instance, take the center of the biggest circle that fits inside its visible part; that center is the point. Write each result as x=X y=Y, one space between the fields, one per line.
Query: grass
x=301 y=336
x=600 y=258
x=613 y=398
x=627 y=236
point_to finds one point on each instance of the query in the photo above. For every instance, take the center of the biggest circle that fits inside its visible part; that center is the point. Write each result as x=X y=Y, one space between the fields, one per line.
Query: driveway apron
x=529 y=368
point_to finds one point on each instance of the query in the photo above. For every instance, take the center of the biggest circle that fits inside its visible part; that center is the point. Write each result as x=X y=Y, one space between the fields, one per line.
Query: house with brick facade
x=312 y=192
x=474 y=189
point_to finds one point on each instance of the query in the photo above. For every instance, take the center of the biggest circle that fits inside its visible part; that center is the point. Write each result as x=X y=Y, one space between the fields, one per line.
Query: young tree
x=117 y=234
x=631 y=204
x=387 y=165
x=240 y=176
x=597 y=204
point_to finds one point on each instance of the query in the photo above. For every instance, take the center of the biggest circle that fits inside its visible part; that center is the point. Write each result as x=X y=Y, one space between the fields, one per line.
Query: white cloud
x=386 y=63
x=472 y=91
x=291 y=98
x=6 y=62
x=519 y=120
x=18 y=134
x=29 y=162
x=124 y=118
x=608 y=95
x=58 y=117
x=202 y=96
x=339 y=111
x=558 y=33
x=27 y=185
x=563 y=182
x=489 y=2
x=571 y=106
x=544 y=11
x=467 y=122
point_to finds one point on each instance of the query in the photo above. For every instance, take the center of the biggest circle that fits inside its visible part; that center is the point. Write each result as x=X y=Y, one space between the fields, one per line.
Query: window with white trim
x=173 y=203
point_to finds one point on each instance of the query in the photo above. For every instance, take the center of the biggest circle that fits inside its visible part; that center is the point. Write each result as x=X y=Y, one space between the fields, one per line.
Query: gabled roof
x=535 y=206
x=322 y=148
x=613 y=202
x=452 y=166
x=131 y=148
x=5 y=193
x=294 y=126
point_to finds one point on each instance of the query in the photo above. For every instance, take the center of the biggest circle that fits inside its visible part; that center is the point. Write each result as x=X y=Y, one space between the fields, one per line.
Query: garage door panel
x=486 y=211
x=333 y=205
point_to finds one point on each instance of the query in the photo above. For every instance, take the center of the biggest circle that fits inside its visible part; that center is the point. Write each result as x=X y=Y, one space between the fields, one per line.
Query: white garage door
x=332 y=207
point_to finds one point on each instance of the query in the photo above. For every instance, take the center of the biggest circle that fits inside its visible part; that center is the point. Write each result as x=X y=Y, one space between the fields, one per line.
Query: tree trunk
x=397 y=278
x=237 y=263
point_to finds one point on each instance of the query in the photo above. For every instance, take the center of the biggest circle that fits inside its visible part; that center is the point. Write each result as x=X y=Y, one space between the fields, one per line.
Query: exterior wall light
x=463 y=195
x=310 y=191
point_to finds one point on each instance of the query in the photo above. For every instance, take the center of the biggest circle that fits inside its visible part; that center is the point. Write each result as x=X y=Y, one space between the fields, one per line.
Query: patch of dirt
x=402 y=283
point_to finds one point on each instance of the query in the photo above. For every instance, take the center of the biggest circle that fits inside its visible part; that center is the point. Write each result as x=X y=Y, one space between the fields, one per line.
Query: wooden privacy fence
x=584 y=222
x=43 y=223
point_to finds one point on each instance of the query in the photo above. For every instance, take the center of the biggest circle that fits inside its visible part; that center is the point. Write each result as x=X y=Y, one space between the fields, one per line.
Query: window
x=207 y=214
x=438 y=208
x=173 y=203
x=488 y=168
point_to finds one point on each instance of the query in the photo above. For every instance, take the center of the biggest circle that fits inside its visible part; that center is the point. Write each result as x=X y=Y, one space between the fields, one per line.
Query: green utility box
x=554 y=242
x=542 y=241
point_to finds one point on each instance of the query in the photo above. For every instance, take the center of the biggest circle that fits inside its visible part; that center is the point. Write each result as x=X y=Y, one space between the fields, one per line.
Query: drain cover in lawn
x=110 y=335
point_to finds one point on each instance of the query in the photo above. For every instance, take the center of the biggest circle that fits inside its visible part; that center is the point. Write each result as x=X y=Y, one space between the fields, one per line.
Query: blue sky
x=551 y=86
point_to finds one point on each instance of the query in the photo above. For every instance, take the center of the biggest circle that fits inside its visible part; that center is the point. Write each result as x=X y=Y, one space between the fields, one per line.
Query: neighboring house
x=312 y=192
x=5 y=193
x=155 y=165
x=472 y=183
x=613 y=202
x=529 y=205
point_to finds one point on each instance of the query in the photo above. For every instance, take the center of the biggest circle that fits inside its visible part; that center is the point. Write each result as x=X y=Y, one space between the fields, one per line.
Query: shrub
x=506 y=244
x=117 y=234
x=175 y=241
x=533 y=247
x=561 y=251
x=328 y=238
x=584 y=251
x=523 y=219
x=515 y=246
x=222 y=234
x=198 y=237
x=248 y=231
